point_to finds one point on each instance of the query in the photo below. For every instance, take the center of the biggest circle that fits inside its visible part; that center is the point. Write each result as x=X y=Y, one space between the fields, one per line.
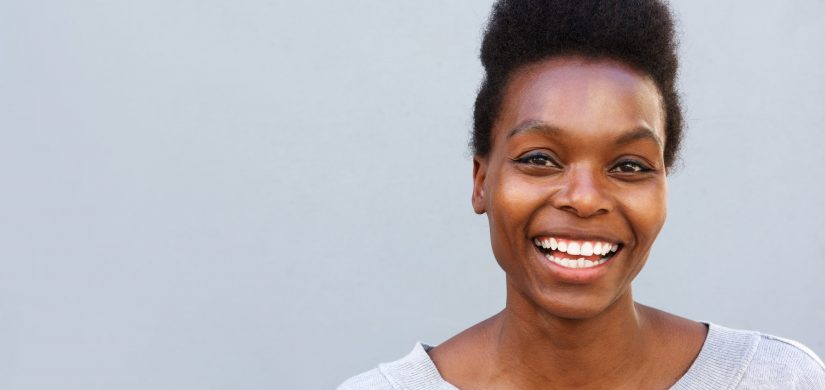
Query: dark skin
x=578 y=154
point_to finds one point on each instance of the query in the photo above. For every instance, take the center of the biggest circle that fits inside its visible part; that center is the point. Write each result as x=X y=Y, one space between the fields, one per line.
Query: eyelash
x=640 y=168
x=530 y=159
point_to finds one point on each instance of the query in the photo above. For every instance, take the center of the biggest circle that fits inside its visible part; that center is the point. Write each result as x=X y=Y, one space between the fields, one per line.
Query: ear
x=479 y=175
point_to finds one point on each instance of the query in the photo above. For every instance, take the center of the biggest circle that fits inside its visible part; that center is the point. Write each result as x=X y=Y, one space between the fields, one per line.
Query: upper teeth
x=575 y=247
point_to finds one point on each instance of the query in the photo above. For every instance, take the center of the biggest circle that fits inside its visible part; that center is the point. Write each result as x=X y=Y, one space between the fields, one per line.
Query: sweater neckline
x=721 y=363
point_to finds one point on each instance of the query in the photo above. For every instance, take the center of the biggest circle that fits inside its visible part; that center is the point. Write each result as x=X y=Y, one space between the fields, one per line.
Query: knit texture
x=729 y=359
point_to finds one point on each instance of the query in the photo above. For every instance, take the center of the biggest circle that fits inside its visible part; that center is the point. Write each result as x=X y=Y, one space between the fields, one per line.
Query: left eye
x=629 y=167
x=537 y=159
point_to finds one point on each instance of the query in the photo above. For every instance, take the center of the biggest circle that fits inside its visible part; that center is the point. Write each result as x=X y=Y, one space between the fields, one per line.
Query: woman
x=576 y=125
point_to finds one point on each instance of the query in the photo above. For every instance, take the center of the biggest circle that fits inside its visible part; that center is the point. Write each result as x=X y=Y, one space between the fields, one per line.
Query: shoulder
x=755 y=360
x=370 y=380
x=414 y=371
x=742 y=359
x=778 y=360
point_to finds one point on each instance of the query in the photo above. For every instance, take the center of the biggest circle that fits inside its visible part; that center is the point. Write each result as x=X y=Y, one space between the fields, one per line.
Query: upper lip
x=579 y=235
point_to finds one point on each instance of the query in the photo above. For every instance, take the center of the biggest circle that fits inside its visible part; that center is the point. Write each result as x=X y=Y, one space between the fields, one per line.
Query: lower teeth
x=572 y=263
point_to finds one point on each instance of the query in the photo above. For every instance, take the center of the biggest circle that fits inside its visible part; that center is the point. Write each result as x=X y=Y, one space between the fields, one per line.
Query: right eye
x=538 y=159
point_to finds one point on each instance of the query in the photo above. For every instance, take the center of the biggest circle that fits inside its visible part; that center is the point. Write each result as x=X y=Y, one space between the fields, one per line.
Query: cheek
x=649 y=211
x=511 y=203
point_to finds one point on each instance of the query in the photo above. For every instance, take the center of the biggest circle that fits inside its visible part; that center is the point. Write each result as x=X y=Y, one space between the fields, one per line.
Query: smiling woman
x=583 y=167
x=577 y=124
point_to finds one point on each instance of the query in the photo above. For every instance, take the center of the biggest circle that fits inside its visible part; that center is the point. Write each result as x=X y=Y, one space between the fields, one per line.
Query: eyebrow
x=638 y=133
x=532 y=126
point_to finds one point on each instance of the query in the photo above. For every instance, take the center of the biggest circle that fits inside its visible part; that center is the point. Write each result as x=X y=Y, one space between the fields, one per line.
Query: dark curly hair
x=639 y=33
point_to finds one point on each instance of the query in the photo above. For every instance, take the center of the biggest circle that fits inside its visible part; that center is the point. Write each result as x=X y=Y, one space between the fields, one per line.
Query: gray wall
x=259 y=195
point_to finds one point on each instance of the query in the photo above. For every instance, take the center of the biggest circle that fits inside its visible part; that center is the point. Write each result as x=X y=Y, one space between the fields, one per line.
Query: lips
x=575 y=254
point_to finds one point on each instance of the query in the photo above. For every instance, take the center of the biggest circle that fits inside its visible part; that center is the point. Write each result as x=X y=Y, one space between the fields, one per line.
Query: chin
x=574 y=304
x=581 y=310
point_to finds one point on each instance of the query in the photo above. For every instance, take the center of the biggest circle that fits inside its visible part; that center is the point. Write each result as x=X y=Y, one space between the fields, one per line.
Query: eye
x=537 y=159
x=630 y=166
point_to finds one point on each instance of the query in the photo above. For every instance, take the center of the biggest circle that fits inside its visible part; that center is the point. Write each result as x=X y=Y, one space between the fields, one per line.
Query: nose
x=583 y=193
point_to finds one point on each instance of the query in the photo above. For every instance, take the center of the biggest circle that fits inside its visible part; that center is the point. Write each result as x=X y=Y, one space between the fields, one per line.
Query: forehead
x=582 y=95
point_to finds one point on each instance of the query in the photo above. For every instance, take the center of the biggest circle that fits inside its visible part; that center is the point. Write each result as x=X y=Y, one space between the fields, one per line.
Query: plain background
x=275 y=195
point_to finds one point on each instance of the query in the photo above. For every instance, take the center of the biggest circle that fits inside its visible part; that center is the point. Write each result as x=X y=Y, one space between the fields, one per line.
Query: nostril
x=586 y=211
x=570 y=209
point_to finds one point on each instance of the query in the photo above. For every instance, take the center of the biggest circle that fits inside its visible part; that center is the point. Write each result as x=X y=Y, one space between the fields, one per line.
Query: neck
x=581 y=352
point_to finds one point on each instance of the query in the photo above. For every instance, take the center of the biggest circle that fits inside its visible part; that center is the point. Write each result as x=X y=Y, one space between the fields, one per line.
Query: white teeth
x=575 y=263
x=574 y=248
x=587 y=249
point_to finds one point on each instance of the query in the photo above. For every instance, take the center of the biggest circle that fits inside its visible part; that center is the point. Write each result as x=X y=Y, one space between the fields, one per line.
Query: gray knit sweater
x=729 y=359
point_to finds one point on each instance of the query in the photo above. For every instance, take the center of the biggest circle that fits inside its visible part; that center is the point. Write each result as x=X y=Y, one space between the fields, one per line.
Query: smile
x=576 y=253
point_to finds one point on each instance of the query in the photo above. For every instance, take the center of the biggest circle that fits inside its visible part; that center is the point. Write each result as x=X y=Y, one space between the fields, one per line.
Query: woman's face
x=575 y=184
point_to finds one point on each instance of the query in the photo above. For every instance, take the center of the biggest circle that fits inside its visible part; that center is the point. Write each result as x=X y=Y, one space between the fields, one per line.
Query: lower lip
x=575 y=275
